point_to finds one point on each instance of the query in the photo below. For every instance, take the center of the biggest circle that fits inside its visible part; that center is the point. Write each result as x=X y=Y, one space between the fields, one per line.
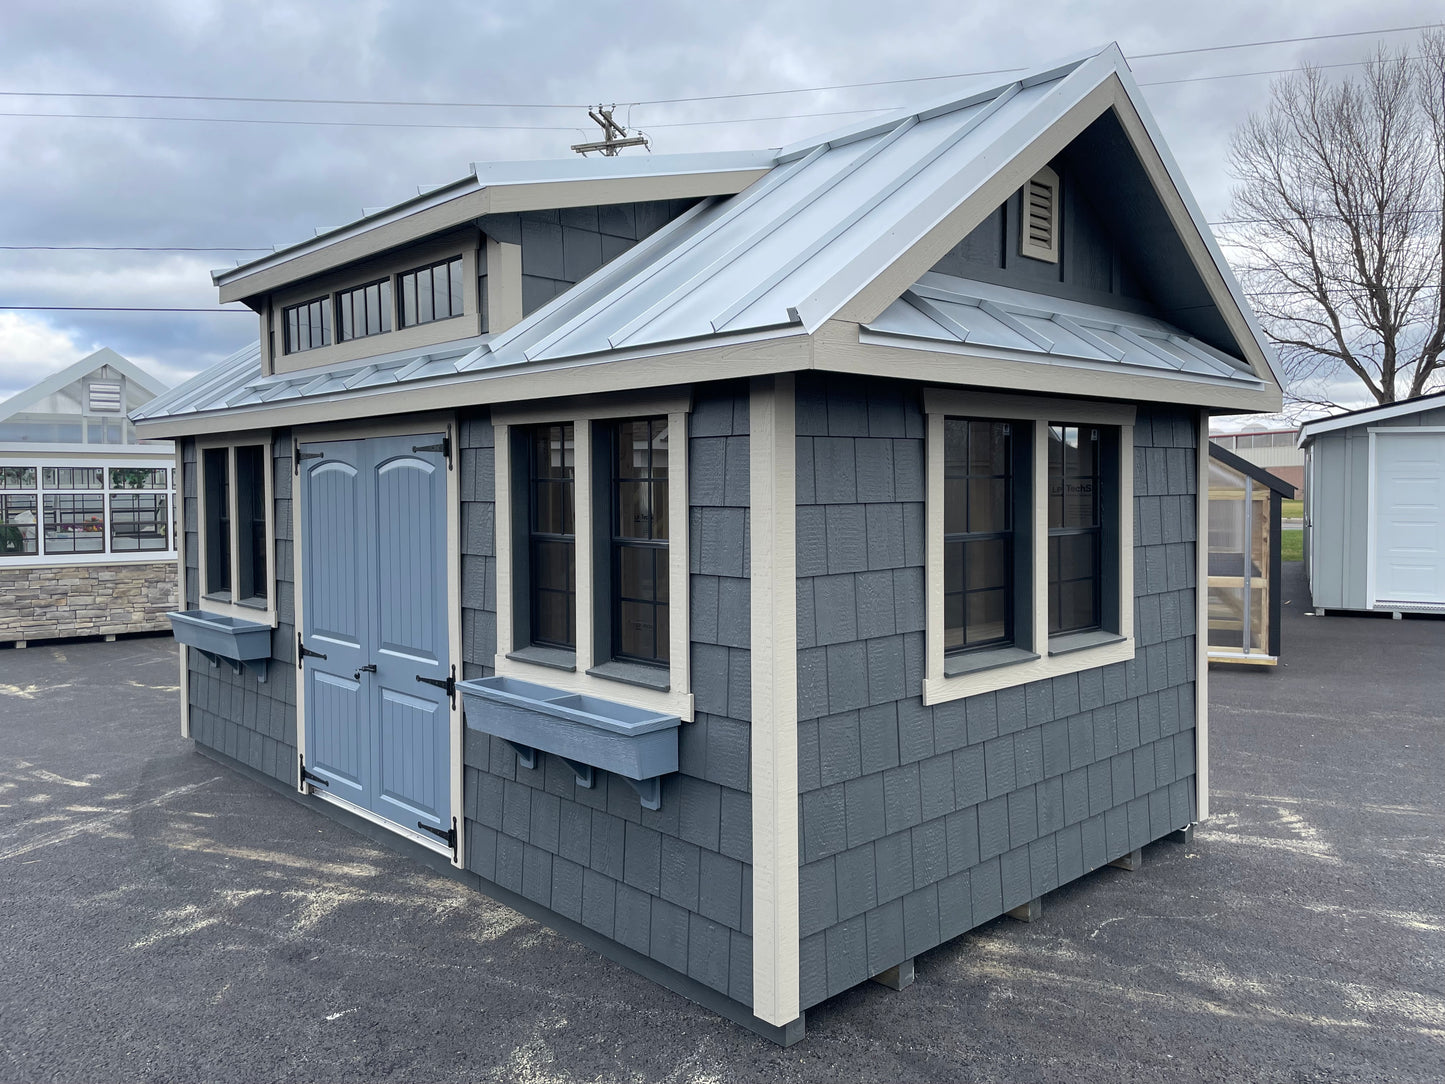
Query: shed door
x=1409 y=518
x=374 y=588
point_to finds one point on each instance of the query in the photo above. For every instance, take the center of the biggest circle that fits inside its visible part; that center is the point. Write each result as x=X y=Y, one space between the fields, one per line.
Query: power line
x=114 y=308
x=313 y=123
x=133 y=248
x=419 y=103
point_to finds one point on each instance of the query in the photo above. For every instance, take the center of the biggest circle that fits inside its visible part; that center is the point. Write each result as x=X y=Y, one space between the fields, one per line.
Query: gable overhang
x=23 y=400
x=1081 y=97
x=1365 y=415
x=467 y=200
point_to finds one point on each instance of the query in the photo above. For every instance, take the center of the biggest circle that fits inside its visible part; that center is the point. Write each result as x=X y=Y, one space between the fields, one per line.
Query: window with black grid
x=216 y=477
x=1075 y=528
x=364 y=310
x=552 y=536
x=640 y=540
x=431 y=293
x=979 y=548
x=308 y=325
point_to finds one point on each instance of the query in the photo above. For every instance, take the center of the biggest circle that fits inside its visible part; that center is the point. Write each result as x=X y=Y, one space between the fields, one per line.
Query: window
x=431 y=293
x=79 y=514
x=978 y=534
x=308 y=325
x=639 y=541
x=1027 y=572
x=552 y=536
x=592 y=549
x=365 y=310
x=236 y=531
x=1075 y=528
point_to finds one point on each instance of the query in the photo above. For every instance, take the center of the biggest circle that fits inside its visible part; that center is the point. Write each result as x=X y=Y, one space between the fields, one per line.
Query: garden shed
x=1244 y=559
x=763 y=567
x=1374 y=512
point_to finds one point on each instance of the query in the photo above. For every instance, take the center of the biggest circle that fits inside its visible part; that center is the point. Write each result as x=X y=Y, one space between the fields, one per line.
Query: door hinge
x=445 y=447
x=449 y=684
x=302 y=651
x=450 y=835
x=297 y=455
x=311 y=777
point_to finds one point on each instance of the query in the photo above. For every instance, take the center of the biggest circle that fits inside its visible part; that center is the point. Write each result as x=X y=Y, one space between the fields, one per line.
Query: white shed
x=1375 y=507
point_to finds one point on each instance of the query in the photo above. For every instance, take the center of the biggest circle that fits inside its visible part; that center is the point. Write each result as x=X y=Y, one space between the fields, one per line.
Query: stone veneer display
x=85 y=600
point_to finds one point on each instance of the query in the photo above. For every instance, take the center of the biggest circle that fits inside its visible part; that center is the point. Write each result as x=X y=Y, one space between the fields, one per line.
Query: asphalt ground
x=163 y=918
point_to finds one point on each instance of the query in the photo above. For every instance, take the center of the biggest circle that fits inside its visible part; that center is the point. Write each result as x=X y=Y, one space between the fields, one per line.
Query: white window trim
x=263 y=614
x=677 y=698
x=939 y=403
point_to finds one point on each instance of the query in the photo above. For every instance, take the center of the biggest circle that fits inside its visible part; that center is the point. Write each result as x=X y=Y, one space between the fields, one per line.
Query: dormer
x=467 y=259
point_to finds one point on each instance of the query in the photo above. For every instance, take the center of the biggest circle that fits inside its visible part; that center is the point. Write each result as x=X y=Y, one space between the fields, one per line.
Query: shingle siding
x=918 y=823
x=236 y=714
x=673 y=884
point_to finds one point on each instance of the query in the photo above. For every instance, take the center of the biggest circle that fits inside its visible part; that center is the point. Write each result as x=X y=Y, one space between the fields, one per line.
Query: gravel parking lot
x=167 y=919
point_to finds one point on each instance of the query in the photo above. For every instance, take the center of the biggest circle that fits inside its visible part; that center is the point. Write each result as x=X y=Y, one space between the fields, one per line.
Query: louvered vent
x=104 y=398
x=1039 y=237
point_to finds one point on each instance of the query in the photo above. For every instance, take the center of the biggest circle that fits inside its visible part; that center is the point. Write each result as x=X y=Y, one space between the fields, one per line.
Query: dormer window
x=1039 y=225
x=431 y=293
x=365 y=310
x=308 y=325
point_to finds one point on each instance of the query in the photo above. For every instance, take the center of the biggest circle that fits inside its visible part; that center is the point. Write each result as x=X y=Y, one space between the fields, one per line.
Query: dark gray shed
x=763 y=567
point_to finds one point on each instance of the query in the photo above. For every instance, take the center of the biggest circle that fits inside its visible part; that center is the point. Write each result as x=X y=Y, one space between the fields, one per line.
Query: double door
x=374 y=627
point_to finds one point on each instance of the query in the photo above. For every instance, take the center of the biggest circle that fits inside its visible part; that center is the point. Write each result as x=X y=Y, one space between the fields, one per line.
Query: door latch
x=369 y=668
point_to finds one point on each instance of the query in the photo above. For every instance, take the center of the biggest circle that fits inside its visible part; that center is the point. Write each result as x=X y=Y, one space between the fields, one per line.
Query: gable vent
x=1039 y=236
x=104 y=398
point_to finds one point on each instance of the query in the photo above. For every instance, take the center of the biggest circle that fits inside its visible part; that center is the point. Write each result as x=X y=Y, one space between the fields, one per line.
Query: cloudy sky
x=119 y=126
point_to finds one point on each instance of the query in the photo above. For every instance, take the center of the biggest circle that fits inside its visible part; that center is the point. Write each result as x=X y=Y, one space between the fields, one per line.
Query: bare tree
x=1338 y=231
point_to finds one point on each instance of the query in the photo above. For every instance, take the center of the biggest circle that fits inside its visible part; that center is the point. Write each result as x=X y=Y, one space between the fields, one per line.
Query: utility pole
x=614 y=136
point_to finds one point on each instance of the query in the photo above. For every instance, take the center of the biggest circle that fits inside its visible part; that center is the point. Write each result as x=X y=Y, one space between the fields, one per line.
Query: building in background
x=1374 y=514
x=1276 y=450
x=87 y=546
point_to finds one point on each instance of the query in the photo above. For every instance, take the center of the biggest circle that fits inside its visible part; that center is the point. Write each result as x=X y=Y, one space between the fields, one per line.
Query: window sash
x=979 y=499
x=552 y=541
x=638 y=600
x=1075 y=518
x=431 y=293
x=307 y=325
x=237 y=534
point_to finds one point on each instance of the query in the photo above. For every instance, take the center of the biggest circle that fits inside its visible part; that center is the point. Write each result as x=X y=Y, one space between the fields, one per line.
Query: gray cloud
x=114 y=182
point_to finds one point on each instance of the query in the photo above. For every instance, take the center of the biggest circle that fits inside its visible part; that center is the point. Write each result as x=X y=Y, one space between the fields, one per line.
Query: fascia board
x=1237 y=309
x=463 y=202
x=1319 y=426
x=493 y=174
x=788 y=350
x=880 y=273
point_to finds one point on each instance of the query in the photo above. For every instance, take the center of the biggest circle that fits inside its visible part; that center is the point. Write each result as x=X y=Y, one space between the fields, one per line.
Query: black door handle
x=369 y=668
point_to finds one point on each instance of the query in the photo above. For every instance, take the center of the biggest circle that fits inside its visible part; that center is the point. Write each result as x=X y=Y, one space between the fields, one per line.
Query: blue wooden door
x=373 y=544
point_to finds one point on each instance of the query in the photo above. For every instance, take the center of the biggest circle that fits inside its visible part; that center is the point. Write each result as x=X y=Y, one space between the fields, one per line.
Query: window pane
x=639 y=633
x=251 y=525
x=637 y=573
x=454 y=275
x=987 y=613
x=955 y=505
x=138 y=521
x=384 y=292
x=408 y=300
x=987 y=504
x=553 y=584
x=137 y=478
x=17 y=524
x=978 y=532
x=17 y=477
x=74 y=523
x=215 y=470
x=986 y=563
x=425 y=297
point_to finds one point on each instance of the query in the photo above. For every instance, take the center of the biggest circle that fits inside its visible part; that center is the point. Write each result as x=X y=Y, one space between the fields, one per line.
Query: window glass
x=137 y=478
x=17 y=522
x=307 y=325
x=364 y=310
x=251 y=521
x=73 y=477
x=978 y=533
x=1074 y=528
x=17 y=477
x=431 y=293
x=553 y=540
x=216 y=477
x=74 y=523
x=138 y=521
x=639 y=540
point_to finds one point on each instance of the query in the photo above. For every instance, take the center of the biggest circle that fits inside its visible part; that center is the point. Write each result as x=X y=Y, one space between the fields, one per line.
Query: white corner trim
x=178 y=521
x=939 y=687
x=1201 y=621
x=1372 y=480
x=772 y=450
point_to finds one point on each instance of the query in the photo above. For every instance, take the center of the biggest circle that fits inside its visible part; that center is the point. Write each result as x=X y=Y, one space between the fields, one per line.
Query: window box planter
x=588 y=733
x=238 y=641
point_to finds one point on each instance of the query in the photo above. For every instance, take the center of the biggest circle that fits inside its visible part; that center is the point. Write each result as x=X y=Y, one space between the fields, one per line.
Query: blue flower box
x=586 y=731
x=218 y=637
